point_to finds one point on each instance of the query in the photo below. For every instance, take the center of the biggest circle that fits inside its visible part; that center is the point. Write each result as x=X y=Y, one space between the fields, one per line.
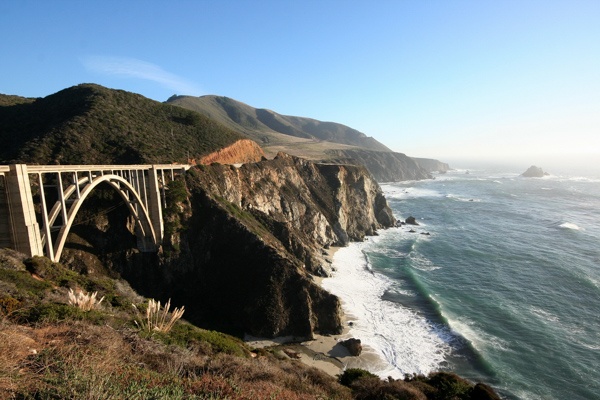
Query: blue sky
x=447 y=79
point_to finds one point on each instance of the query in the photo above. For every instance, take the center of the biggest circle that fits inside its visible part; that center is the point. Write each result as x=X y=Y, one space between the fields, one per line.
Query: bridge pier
x=155 y=204
x=22 y=220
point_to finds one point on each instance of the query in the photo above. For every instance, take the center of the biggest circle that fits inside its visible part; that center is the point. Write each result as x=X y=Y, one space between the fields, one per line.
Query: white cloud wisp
x=134 y=68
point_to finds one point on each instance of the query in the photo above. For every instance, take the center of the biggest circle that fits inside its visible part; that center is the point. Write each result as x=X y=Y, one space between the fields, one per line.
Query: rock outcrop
x=411 y=221
x=353 y=345
x=241 y=152
x=534 y=172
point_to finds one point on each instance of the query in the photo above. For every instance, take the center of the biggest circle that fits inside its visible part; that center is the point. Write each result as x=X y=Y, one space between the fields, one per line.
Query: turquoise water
x=505 y=289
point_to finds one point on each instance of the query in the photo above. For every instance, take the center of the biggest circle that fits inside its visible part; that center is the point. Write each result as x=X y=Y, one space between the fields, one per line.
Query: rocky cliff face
x=385 y=166
x=252 y=237
x=240 y=152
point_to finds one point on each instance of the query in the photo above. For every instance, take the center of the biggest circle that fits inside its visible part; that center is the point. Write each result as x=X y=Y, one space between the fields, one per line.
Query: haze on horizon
x=512 y=81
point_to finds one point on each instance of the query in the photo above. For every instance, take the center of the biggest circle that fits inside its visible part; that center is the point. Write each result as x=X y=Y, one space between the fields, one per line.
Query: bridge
x=39 y=203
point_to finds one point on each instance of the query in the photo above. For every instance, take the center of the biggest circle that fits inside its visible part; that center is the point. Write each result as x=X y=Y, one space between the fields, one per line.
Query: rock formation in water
x=534 y=172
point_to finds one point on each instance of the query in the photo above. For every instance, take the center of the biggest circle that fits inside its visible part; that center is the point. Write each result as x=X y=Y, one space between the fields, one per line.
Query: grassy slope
x=303 y=137
x=90 y=124
x=50 y=349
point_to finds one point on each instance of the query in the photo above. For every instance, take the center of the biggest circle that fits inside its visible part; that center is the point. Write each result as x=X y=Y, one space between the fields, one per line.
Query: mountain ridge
x=91 y=124
x=264 y=125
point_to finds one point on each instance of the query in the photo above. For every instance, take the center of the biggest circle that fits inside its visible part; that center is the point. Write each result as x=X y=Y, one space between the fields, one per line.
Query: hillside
x=90 y=124
x=305 y=137
x=269 y=128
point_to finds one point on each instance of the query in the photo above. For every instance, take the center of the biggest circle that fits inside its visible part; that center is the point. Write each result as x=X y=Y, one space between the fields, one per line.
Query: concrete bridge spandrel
x=39 y=203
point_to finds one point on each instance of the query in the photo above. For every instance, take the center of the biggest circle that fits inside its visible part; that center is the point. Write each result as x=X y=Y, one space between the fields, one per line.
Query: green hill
x=303 y=137
x=90 y=124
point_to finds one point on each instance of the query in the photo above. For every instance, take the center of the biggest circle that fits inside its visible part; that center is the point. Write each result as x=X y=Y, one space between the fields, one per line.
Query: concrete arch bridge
x=39 y=203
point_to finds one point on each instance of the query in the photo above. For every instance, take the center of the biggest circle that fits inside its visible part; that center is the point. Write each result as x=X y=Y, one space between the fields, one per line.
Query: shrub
x=55 y=312
x=352 y=374
x=449 y=386
x=24 y=283
x=52 y=271
x=8 y=305
x=187 y=335
x=369 y=388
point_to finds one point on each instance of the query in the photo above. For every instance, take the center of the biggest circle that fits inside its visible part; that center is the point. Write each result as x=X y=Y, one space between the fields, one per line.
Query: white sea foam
x=406 y=341
x=570 y=225
x=391 y=253
x=422 y=263
x=399 y=193
x=479 y=339
x=459 y=198
x=545 y=316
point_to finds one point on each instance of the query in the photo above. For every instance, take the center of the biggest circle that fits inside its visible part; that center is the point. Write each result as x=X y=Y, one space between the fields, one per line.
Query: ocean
x=499 y=283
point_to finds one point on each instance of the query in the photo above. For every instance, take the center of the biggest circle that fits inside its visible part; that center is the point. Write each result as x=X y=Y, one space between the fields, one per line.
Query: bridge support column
x=24 y=226
x=155 y=205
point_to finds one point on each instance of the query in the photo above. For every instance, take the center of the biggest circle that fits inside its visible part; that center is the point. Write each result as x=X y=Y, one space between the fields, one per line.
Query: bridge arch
x=142 y=187
x=132 y=199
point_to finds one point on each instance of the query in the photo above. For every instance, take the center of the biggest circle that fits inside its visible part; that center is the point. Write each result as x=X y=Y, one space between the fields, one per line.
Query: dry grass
x=80 y=360
x=157 y=317
x=84 y=301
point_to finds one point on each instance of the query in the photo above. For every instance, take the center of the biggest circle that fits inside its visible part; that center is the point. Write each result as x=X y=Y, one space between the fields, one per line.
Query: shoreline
x=324 y=352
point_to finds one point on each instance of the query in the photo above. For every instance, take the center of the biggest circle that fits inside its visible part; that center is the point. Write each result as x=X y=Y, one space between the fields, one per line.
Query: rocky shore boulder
x=534 y=172
x=353 y=345
x=411 y=221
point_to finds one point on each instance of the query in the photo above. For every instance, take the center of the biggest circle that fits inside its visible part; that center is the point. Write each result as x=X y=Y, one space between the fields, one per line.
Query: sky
x=454 y=79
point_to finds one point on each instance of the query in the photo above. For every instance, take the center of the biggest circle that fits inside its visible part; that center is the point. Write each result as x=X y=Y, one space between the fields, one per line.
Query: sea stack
x=534 y=172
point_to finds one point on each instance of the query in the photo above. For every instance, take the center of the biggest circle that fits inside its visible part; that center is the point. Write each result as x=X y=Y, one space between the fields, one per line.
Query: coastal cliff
x=385 y=166
x=241 y=247
x=432 y=165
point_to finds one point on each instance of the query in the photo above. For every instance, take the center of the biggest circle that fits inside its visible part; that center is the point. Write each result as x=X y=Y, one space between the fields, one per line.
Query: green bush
x=449 y=386
x=24 y=283
x=54 y=272
x=185 y=335
x=352 y=374
x=55 y=312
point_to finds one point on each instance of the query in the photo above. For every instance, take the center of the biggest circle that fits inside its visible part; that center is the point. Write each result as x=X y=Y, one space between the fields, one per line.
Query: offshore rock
x=534 y=172
x=411 y=221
